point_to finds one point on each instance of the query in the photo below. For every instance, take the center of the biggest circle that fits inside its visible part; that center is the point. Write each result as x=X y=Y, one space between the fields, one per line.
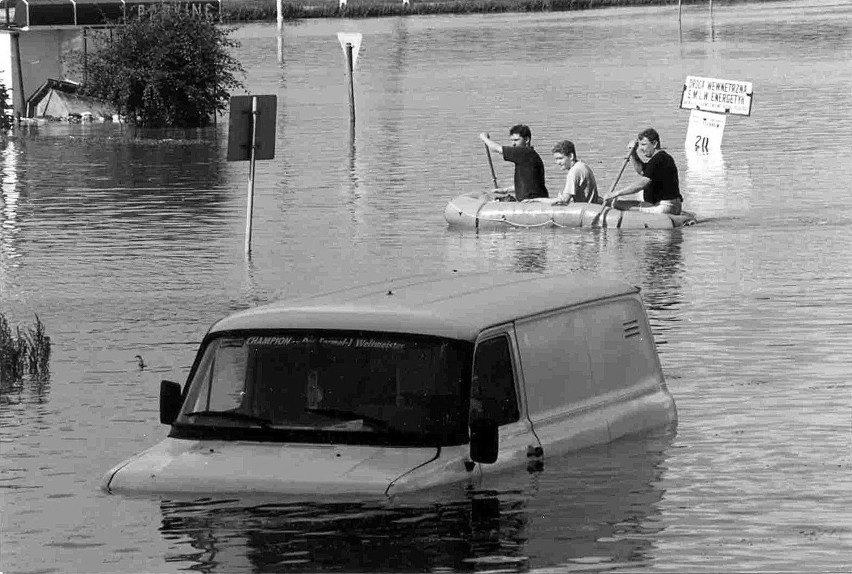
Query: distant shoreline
x=266 y=10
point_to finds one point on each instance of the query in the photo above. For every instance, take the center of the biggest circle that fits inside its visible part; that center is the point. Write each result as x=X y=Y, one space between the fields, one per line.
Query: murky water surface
x=135 y=246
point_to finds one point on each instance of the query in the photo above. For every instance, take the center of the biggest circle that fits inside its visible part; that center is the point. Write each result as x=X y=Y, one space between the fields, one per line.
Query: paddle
x=612 y=188
x=490 y=163
x=624 y=165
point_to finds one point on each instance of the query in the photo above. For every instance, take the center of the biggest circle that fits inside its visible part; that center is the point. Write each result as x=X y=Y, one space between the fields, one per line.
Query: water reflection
x=652 y=259
x=9 y=197
x=390 y=141
x=712 y=189
x=251 y=294
x=353 y=168
x=601 y=501
x=695 y=35
x=27 y=390
x=387 y=95
x=173 y=172
x=662 y=265
x=378 y=132
x=115 y=190
x=531 y=258
x=712 y=27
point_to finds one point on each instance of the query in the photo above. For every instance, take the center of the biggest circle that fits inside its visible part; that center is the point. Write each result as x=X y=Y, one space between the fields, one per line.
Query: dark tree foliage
x=5 y=118
x=164 y=68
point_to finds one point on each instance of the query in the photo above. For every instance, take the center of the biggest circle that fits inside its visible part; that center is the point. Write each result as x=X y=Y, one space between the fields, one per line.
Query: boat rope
x=600 y=217
x=502 y=219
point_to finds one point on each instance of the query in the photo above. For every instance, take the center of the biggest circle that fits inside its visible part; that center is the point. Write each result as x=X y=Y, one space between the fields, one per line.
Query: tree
x=164 y=67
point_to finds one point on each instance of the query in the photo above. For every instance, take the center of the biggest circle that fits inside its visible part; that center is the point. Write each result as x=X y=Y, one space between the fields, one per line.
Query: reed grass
x=22 y=353
x=265 y=10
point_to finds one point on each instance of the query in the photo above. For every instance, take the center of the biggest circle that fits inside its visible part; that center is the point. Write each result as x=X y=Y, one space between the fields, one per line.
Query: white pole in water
x=250 y=202
x=280 y=26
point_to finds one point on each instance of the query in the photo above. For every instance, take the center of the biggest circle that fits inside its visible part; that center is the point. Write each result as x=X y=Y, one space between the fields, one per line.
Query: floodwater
x=127 y=246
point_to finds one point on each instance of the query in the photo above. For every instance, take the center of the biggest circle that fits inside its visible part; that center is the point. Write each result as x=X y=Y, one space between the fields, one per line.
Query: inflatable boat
x=482 y=210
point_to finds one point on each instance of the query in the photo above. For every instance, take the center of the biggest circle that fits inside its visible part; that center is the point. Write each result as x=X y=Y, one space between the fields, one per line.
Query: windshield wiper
x=378 y=424
x=233 y=415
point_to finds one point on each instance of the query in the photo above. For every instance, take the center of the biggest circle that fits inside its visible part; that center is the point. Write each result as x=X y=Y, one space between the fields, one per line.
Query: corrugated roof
x=75 y=13
x=457 y=305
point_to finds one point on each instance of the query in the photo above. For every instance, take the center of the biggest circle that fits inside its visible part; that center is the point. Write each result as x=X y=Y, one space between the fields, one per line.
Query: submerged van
x=406 y=384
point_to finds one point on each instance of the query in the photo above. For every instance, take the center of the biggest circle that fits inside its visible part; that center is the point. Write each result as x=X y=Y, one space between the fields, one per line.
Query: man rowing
x=529 y=169
x=659 y=179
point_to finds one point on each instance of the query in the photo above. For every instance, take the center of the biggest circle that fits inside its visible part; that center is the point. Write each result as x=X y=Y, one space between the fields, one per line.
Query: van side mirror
x=170 y=401
x=484 y=442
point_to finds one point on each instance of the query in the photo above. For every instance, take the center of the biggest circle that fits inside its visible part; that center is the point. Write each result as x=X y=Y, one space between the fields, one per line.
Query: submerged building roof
x=30 y=14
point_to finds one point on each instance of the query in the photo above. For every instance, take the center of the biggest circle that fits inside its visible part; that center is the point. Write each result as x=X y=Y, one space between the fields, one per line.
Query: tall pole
x=250 y=202
x=280 y=28
x=18 y=101
x=85 y=57
x=350 y=82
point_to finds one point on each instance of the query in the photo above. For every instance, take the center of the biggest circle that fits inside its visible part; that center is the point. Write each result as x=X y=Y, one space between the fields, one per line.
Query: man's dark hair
x=522 y=130
x=565 y=147
x=651 y=134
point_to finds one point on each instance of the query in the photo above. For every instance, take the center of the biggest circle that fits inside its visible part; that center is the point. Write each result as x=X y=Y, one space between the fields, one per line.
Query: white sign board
x=705 y=131
x=715 y=95
x=353 y=38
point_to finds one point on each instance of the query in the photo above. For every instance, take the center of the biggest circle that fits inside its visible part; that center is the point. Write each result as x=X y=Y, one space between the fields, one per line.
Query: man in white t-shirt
x=580 y=184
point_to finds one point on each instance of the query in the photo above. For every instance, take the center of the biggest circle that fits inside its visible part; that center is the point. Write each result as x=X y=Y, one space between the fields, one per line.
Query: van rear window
x=339 y=382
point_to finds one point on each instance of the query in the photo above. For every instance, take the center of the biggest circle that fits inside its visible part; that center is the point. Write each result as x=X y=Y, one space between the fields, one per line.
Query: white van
x=406 y=384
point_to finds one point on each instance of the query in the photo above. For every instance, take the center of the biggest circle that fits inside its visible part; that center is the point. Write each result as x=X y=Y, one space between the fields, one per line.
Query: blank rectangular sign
x=240 y=126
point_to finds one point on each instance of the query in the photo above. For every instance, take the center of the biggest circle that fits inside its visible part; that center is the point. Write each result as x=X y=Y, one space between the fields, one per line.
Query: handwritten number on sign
x=702 y=143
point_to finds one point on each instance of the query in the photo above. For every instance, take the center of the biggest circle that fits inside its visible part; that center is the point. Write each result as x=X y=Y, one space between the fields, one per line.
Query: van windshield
x=353 y=383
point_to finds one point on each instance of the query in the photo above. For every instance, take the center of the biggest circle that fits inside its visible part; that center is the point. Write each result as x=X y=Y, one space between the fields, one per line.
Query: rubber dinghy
x=480 y=210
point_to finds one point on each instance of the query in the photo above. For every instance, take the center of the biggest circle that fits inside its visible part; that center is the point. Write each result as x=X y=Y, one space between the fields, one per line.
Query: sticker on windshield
x=303 y=340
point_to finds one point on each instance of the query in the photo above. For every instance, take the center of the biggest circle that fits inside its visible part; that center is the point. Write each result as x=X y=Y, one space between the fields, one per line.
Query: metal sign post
x=351 y=44
x=251 y=137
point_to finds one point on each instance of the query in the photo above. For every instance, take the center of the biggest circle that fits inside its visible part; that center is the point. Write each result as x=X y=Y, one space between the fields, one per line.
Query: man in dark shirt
x=529 y=169
x=659 y=182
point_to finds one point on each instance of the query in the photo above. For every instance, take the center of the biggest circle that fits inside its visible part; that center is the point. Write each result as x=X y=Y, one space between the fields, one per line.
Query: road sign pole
x=250 y=202
x=351 y=44
x=251 y=137
x=350 y=82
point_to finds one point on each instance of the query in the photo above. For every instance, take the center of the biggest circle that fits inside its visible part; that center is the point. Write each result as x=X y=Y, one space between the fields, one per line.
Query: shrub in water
x=23 y=353
x=5 y=116
x=165 y=67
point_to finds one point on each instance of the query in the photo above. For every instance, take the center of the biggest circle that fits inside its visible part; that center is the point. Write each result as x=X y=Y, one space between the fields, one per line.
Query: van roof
x=456 y=305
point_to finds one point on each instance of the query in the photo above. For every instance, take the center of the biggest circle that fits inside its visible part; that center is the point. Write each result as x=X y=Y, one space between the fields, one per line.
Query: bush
x=163 y=68
x=5 y=117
